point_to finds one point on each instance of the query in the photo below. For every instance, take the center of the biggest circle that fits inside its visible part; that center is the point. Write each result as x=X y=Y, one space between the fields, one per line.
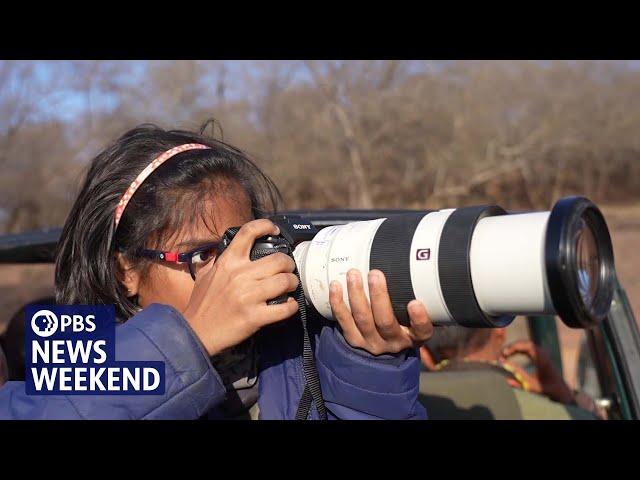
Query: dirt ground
x=22 y=284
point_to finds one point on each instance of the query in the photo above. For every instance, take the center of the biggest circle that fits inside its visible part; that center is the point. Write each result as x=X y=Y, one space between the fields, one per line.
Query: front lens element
x=588 y=263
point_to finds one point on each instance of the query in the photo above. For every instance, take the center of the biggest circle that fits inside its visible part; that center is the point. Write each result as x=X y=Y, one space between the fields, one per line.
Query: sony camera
x=477 y=266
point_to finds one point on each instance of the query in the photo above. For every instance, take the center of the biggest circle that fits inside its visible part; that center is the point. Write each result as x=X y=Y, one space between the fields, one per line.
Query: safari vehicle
x=609 y=359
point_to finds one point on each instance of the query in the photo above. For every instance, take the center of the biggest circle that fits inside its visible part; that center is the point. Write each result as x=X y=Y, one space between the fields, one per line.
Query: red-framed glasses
x=195 y=258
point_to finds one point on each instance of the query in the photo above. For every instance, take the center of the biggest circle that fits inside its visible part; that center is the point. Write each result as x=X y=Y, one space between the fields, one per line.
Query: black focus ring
x=391 y=253
x=454 y=267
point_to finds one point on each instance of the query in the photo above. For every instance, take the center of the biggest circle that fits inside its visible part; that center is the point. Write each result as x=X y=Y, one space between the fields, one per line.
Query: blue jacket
x=355 y=385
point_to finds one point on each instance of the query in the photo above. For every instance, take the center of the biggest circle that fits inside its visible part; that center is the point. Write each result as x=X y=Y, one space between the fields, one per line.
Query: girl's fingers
x=342 y=314
x=271 y=265
x=373 y=326
x=275 y=286
x=421 y=327
x=248 y=233
x=360 y=308
x=268 y=314
x=381 y=308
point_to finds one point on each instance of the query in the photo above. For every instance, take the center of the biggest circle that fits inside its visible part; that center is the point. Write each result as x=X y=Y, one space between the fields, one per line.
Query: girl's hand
x=373 y=326
x=228 y=302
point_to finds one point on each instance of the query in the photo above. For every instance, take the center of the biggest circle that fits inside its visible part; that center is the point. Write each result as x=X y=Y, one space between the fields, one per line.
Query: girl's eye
x=204 y=256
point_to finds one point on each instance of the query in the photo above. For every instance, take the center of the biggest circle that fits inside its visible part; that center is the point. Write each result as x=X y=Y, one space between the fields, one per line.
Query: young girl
x=142 y=235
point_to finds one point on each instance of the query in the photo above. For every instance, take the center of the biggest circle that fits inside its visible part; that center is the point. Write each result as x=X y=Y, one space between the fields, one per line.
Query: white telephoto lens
x=473 y=266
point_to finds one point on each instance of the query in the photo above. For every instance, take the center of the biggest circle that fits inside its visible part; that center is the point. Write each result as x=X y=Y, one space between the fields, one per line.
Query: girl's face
x=171 y=283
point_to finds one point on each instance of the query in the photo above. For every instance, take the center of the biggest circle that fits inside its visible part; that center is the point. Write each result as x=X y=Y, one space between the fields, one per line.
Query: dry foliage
x=355 y=134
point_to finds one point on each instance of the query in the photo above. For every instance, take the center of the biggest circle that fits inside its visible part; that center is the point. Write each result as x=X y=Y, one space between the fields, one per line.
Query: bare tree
x=336 y=133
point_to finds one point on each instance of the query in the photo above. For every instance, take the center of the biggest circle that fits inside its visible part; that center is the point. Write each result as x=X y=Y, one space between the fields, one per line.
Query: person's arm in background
x=547 y=380
x=371 y=369
x=158 y=332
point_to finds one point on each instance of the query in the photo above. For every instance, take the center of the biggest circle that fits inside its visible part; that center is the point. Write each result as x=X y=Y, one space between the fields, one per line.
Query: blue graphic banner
x=71 y=350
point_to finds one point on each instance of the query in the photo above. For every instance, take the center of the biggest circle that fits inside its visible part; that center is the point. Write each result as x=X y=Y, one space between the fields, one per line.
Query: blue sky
x=69 y=103
x=65 y=103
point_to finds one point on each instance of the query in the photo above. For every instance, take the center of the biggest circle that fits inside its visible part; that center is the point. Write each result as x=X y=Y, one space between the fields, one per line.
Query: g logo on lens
x=423 y=254
x=44 y=323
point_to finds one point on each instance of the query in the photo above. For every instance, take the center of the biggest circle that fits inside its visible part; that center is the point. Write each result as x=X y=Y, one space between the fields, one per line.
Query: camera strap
x=312 y=392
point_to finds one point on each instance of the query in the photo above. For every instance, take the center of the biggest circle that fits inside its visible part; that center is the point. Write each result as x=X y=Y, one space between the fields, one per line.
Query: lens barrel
x=475 y=266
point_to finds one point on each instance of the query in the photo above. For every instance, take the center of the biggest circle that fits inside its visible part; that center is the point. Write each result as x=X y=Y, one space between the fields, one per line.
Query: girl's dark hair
x=172 y=196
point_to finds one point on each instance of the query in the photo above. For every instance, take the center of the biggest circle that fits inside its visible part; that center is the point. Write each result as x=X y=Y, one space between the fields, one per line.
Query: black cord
x=312 y=392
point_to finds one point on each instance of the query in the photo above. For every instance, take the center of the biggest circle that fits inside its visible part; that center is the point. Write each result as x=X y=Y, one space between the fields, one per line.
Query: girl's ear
x=127 y=275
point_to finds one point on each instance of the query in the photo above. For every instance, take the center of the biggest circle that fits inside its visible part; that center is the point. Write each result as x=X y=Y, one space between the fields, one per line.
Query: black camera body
x=293 y=230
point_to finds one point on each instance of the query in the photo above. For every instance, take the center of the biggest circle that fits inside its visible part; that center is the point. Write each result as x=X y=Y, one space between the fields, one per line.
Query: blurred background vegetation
x=359 y=134
x=339 y=134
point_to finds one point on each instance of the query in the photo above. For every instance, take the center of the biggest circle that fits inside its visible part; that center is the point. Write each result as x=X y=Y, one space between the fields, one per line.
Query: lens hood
x=567 y=217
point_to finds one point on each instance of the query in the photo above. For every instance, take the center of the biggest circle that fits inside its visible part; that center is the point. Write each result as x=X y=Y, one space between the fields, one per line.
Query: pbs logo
x=44 y=323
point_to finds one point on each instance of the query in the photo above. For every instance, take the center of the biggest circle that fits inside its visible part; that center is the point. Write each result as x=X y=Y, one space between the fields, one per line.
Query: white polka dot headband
x=124 y=201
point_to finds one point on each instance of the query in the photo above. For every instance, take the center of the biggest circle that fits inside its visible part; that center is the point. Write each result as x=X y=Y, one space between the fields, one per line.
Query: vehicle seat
x=468 y=395
x=485 y=395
